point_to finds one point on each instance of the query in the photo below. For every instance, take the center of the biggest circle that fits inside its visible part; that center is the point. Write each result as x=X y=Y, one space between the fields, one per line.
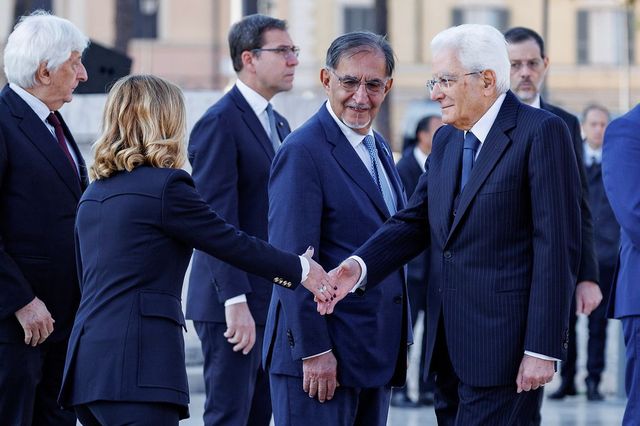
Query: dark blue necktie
x=471 y=145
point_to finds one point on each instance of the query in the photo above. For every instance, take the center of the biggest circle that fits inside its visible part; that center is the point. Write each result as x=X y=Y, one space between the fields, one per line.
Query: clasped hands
x=329 y=288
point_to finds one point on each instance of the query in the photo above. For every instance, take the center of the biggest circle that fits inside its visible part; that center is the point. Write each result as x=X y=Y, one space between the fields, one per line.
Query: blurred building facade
x=591 y=43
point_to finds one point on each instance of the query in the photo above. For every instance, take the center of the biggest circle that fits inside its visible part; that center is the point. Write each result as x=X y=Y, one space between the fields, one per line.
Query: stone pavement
x=573 y=411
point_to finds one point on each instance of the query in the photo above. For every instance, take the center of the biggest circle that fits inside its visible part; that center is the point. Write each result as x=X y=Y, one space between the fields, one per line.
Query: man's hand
x=317 y=281
x=343 y=278
x=241 y=328
x=588 y=297
x=36 y=322
x=320 y=376
x=533 y=373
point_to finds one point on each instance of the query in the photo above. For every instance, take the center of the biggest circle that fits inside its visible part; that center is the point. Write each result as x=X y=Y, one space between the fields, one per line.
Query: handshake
x=329 y=288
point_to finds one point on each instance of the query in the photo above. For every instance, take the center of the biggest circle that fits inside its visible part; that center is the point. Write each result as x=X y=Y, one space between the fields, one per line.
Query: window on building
x=145 y=19
x=494 y=16
x=359 y=18
x=601 y=35
x=25 y=7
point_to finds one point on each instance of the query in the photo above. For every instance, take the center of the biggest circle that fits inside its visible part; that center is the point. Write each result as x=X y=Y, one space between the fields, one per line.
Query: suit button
x=447 y=254
x=565 y=345
x=455 y=212
x=439 y=289
x=397 y=300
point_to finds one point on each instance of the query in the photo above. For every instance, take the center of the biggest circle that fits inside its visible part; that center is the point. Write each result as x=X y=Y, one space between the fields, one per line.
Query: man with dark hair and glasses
x=231 y=149
x=529 y=65
x=333 y=184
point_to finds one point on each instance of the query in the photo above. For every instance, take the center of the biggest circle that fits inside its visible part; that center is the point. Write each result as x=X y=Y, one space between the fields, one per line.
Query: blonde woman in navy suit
x=136 y=228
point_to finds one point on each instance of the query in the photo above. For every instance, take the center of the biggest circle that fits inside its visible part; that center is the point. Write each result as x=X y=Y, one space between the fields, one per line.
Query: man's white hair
x=478 y=48
x=37 y=38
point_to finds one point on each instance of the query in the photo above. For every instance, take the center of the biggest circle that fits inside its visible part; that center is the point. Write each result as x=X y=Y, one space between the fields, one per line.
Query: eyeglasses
x=351 y=84
x=285 y=51
x=447 y=82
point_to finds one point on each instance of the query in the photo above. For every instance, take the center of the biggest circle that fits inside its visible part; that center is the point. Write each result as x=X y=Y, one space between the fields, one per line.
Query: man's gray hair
x=37 y=38
x=478 y=48
x=356 y=42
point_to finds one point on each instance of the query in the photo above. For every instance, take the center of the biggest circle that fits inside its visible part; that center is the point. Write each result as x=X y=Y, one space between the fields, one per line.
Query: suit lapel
x=349 y=161
x=450 y=171
x=38 y=134
x=493 y=147
x=253 y=124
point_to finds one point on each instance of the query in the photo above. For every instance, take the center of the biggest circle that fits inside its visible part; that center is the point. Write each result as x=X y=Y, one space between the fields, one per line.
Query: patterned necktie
x=62 y=143
x=275 y=139
x=378 y=175
x=471 y=145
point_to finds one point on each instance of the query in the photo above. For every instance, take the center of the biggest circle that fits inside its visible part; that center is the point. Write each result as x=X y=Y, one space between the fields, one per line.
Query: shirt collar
x=354 y=138
x=257 y=103
x=590 y=153
x=39 y=107
x=420 y=157
x=482 y=126
x=536 y=102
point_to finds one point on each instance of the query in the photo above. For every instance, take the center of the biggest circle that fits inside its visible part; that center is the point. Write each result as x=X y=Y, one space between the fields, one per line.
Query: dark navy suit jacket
x=39 y=193
x=588 y=261
x=134 y=236
x=231 y=156
x=621 y=174
x=503 y=267
x=321 y=194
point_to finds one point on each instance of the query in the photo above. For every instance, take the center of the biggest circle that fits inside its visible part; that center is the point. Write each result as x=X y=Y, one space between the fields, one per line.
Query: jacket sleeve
x=186 y=217
x=620 y=173
x=15 y=290
x=295 y=216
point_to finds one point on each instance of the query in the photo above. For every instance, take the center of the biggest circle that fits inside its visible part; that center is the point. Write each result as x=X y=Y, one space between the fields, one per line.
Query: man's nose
x=361 y=95
x=82 y=73
x=436 y=93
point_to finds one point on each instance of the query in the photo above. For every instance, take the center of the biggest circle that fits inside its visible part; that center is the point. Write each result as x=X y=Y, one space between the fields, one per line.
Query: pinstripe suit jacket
x=503 y=266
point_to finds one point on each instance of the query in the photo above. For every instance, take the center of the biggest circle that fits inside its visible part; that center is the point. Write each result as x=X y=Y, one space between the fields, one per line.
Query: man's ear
x=325 y=77
x=43 y=75
x=489 y=80
x=247 y=60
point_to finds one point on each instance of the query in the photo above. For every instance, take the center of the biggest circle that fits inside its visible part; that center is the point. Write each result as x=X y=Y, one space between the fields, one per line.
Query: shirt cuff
x=363 y=272
x=540 y=356
x=304 y=263
x=313 y=356
x=241 y=298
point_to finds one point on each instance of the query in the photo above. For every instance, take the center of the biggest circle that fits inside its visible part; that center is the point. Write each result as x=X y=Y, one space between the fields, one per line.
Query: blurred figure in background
x=410 y=167
x=42 y=176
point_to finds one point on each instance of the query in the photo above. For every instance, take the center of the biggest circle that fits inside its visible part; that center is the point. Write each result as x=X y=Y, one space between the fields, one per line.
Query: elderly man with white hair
x=42 y=175
x=499 y=206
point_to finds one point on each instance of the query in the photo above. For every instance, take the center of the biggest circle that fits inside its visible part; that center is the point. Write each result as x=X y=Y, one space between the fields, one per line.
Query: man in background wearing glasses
x=231 y=149
x=529 y=65
x=333 y=184
x=498 y=205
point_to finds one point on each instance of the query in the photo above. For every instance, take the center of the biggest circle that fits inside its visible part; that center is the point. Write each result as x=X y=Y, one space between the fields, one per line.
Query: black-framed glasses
x=351 y=84
x=285 y=51
x=447 y=82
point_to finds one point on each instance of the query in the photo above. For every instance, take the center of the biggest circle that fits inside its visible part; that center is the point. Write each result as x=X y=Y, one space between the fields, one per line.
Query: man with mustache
x=529 y=65
x=333 y=184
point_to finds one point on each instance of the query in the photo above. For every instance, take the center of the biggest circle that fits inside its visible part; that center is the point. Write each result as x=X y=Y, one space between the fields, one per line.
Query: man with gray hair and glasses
x=42 y=176
x=498 y=205
x=333 y=184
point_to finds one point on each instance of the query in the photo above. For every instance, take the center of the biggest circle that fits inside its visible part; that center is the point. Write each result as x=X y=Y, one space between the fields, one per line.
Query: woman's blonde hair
x=144 y=123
